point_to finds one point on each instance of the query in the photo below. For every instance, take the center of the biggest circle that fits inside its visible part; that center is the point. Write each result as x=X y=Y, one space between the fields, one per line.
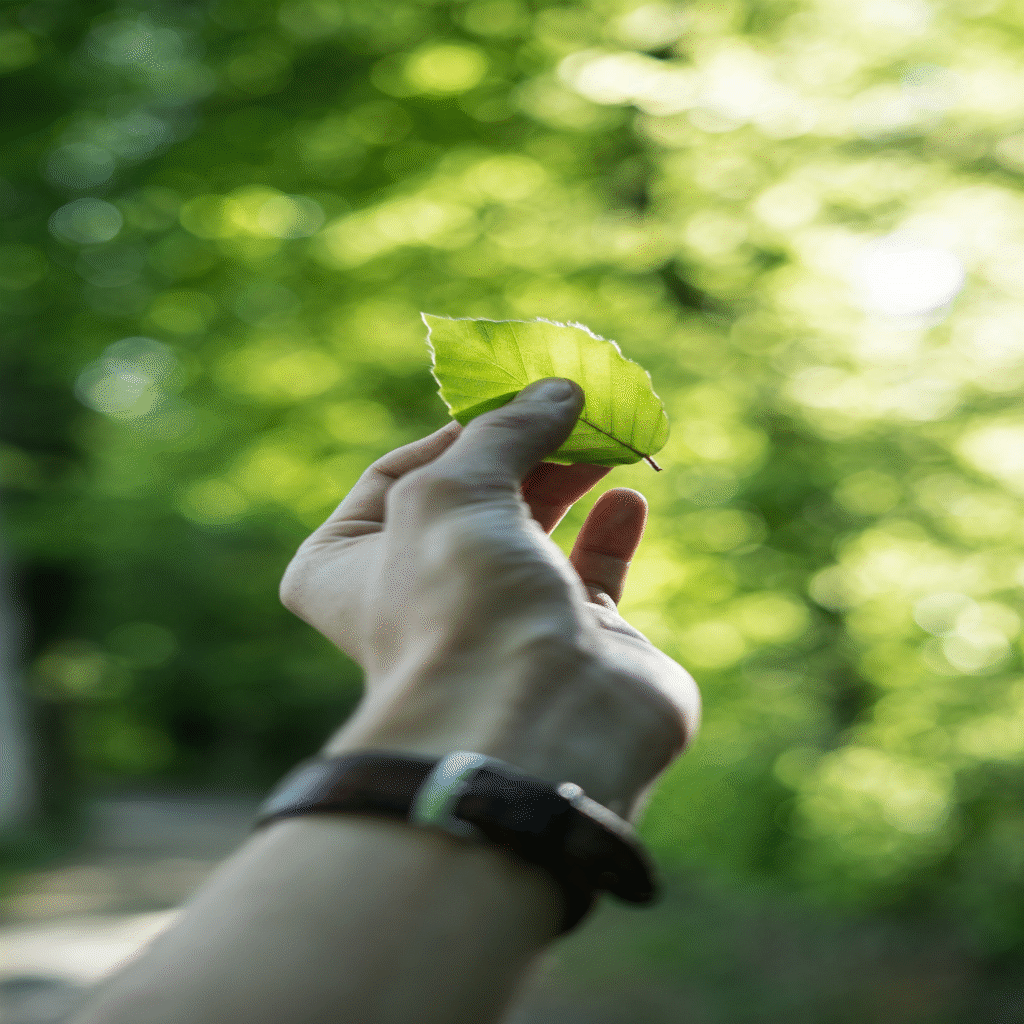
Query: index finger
x=551 y=489
x=362 y=508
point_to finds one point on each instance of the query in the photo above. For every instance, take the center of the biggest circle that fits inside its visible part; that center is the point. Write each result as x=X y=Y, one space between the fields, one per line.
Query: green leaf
x=480 y=365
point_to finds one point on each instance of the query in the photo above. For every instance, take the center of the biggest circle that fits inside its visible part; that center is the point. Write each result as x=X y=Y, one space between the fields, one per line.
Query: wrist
x=563 y=718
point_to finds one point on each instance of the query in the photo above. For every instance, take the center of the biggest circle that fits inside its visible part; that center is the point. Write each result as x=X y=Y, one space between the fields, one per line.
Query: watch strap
x=585 y=846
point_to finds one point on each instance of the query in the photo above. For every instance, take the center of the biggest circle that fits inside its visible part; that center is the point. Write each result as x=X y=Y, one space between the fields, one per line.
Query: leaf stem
x=623 y=443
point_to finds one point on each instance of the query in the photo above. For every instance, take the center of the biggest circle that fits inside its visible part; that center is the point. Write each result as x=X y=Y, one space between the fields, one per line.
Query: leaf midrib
x=617 y=440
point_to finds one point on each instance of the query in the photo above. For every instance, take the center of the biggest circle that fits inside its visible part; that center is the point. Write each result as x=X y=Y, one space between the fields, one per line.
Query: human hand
x=438 y=576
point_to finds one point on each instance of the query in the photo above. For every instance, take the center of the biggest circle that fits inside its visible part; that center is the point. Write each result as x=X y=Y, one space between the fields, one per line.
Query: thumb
x=511 y=440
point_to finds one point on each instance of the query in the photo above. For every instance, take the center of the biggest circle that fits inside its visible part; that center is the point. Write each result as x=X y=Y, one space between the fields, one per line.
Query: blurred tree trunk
x=17 y=783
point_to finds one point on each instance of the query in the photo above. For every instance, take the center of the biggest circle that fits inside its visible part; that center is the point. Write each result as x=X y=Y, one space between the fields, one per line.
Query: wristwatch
x=584 y=845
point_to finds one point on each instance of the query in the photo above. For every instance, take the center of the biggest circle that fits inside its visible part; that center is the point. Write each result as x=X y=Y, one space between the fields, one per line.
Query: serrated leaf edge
x=553 y=323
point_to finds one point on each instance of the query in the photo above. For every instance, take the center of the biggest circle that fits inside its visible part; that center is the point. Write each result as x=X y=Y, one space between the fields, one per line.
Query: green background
x=221 y=222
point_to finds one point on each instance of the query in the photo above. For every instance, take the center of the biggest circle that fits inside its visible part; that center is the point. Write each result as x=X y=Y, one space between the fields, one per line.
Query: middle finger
x=551 y=489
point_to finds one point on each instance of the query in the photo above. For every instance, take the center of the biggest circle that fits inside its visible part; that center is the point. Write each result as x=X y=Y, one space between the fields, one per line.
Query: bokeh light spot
x=128 y=380
x=896 y=276
x=445 y=68
x=86 y=221
x=79 y=165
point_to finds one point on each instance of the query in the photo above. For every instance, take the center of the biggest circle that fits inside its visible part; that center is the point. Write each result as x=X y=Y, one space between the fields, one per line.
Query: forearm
x=336 y=918
x=331 y=919
x=475 y=634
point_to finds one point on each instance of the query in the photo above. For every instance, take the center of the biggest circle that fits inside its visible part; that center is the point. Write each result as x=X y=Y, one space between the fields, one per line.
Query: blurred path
x=68 y=925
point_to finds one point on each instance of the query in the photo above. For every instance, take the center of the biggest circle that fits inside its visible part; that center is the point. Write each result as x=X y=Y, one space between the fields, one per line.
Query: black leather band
x=585 y=846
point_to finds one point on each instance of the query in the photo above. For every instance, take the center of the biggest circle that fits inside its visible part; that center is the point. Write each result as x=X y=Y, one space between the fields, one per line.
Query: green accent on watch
x=435 y=800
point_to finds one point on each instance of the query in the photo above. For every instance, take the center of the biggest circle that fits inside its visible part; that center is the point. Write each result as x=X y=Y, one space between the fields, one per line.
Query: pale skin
x=437 y=574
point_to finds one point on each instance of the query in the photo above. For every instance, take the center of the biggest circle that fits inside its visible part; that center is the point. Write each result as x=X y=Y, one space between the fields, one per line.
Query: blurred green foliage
x=804 y=217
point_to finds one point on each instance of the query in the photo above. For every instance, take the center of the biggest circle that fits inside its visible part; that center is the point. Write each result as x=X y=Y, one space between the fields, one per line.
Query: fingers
x=508 y=442
x=363 y=506
x=551 y=489
x=608 y=541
